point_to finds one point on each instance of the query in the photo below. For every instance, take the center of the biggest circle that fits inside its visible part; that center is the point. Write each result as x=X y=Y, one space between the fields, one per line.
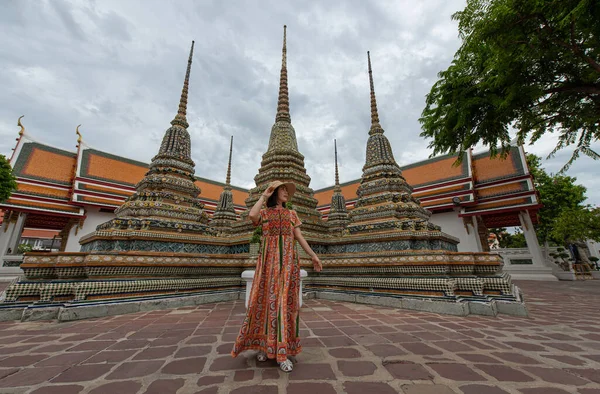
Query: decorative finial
x=337 y=177
x=79 y=138
x=180 y=119
x=283 y=102
x=22 y=131
x=228 y=179
x=375 y=126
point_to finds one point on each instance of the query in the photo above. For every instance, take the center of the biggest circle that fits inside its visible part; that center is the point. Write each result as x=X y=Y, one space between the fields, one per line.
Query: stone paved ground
x=348 y=348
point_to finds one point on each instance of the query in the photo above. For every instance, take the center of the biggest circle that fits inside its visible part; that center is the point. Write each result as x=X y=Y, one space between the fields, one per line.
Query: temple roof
x=495 y=188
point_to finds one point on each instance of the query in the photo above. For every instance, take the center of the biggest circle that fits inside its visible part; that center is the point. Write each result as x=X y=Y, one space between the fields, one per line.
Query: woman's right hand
x=270 y=190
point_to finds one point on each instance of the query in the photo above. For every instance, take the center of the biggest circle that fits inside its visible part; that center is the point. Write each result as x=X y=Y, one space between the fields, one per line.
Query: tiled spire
x=225 y=214
x=338 y=214
x=283 y=101
x=228 y=177
x=375 y=126
x=337 y=176
x=180 y=119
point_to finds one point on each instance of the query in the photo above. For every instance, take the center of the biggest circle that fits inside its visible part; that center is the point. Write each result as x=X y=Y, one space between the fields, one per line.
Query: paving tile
x=386 y=350
x=202 y=339
x=165 y=386
x=345 y=353
x=427 y=389
x=479 y=358
x=128 y=387
x=337 y=341
x=532 y=347
x=367 y=339
x=21 y=361
x=543 y=390
x=185 y=366
x=91 y=345
x=67 y=359
x=589 y=391
x=272 y=373
x=420 y=348
x=82 y=373
x=368 y=388
x=556 y=375
x=567 y=347
x=405 y=370
x=481 y=389
x=243 y=376
x=154 y=353
x=193 y=351
x=227 y=363
x=504 y=373
x=134 y=369
x=453 y=346
x=130 y=344
x=209 y=380
x=356 y=368
x=262 y=389
x=59 y=389
x=316 y=388
x=110 y=356
x=515 y=358
x=456 y=372
x=565 y=359
x=312 y=372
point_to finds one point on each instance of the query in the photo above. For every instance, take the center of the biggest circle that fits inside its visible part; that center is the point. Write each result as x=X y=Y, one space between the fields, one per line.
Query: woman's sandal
x=286 y=366
x=261 y=356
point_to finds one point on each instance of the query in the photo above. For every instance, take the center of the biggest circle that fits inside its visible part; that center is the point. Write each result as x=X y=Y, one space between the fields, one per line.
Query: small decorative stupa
x=225 y=214
x=338 y=215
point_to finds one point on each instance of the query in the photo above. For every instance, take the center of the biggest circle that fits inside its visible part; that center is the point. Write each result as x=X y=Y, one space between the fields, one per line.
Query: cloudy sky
x=117 y=68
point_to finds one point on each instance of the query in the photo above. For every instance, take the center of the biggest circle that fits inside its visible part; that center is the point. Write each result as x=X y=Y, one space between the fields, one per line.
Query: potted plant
x=564 y=264
x=594 y=265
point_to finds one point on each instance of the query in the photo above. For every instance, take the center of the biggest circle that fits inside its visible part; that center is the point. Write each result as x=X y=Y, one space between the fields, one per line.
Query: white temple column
x=10 y=239
x=8 y=227
x=531 y=239
x=473 y=229
x=538 y=269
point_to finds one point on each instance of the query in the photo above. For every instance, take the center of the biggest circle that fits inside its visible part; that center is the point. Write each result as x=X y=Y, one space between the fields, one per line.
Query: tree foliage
x=529 y=64
x=578 y=224
x=558 y=194
x=8 y=182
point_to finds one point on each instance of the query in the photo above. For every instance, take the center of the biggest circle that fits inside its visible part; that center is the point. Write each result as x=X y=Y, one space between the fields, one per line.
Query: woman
x=272 y=322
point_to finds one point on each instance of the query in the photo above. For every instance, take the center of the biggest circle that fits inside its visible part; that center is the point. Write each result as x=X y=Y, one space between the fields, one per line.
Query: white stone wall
x=453 y=225
x=94 y=218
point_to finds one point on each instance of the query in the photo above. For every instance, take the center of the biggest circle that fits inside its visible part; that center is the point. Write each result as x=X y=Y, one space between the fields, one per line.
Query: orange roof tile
x=39 y=233
x=45 y=163
x=42 y=190
x=212 y=191
x=489 y=169
x=434 y=171
x=502 y=189
x=103 y=189
x=110 y=169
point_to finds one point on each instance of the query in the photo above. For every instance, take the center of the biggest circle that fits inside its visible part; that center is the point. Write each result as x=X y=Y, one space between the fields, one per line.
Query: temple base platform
x=64 y=285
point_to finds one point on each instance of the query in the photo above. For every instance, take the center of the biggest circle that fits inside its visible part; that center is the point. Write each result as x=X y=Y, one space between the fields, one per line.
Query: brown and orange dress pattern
x=272 y=320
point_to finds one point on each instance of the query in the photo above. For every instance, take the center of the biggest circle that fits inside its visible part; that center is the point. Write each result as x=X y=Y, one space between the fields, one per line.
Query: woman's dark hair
x=272 y=201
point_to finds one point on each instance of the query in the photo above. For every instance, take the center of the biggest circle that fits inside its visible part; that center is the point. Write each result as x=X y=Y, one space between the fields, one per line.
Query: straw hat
x=291 y=188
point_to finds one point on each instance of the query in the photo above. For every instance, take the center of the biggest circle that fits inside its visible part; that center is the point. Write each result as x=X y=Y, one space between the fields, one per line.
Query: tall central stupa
x=284 y=162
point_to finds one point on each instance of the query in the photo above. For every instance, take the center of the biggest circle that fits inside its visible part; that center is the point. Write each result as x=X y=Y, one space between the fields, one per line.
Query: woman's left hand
x=317 y=263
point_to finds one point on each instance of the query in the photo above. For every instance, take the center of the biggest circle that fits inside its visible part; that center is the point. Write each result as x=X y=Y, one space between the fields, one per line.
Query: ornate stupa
x=338 y=217
x=166 y=199
x=385 y=203
x=225 y=214
x=282 y=161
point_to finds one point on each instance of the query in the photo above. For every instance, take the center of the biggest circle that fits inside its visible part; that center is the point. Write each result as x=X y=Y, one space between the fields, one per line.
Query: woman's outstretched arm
x=315 y=259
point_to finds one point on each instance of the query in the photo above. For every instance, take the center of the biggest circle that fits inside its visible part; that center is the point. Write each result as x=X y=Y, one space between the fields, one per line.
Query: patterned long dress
x=272 y=320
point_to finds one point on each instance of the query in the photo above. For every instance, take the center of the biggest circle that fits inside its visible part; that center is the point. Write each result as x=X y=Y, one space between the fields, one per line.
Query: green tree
x=577 y=224
x=8 y=182
x=558 y=194
x=528 y=64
